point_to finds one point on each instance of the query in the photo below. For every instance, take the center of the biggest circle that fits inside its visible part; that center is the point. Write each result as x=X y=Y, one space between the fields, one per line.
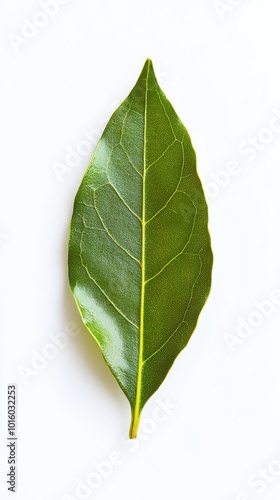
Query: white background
x=220 y=69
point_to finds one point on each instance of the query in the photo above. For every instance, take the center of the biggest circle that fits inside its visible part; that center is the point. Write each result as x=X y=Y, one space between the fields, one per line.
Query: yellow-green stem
x=136 y=410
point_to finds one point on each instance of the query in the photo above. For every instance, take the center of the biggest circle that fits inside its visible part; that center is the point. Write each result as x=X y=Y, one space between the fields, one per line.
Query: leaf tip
x=148 y=61
x=148 y=70
x=148 y=65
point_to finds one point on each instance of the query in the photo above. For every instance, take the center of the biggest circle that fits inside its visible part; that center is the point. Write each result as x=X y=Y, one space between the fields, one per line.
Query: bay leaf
x=140 y=257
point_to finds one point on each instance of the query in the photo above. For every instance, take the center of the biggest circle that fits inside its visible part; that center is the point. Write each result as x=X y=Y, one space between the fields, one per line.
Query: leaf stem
x=137 y=408
x=135 y=420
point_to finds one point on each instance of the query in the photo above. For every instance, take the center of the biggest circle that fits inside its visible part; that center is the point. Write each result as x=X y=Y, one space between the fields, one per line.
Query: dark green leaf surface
x=140 y=258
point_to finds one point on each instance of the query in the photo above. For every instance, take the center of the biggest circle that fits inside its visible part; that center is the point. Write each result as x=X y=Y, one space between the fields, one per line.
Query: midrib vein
x=136 y=416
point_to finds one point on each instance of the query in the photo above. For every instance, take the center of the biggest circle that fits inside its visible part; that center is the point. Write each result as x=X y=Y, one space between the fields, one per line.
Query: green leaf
x=140 y=258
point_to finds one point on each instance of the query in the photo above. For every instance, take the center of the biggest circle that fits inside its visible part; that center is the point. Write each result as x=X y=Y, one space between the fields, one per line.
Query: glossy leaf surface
x=140 y=258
